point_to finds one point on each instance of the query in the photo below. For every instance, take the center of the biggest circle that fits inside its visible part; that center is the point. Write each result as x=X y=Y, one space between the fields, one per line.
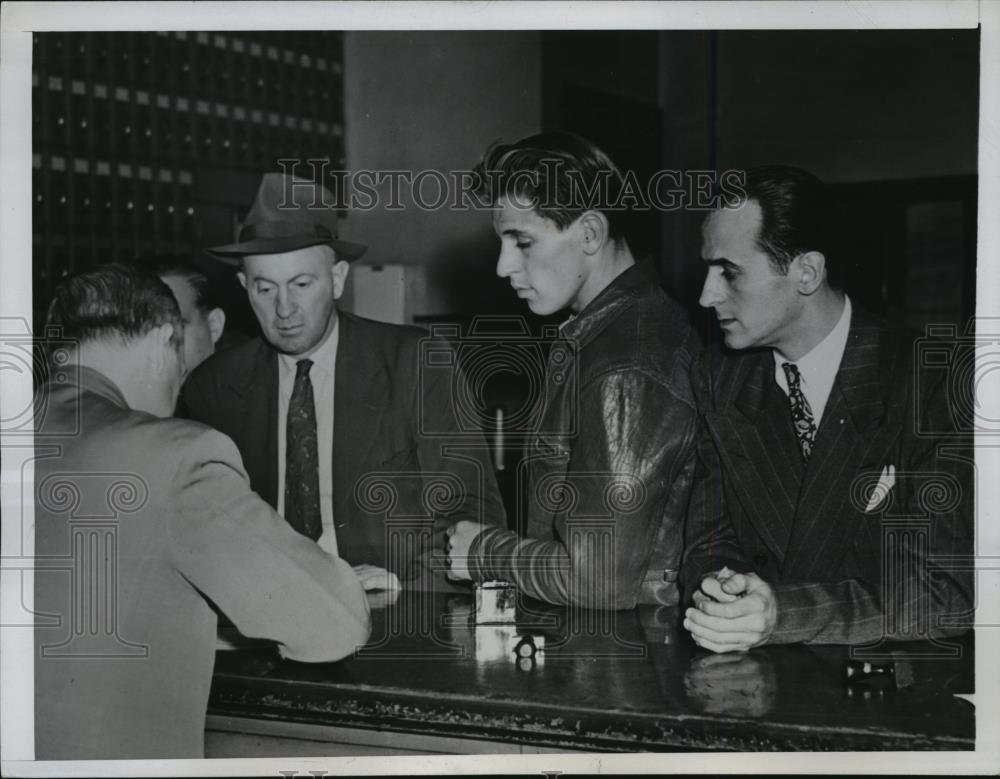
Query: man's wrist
x=782 y=632
x=483 y=563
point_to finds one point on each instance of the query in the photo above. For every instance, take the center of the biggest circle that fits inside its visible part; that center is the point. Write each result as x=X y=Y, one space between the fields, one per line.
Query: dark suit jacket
x=139 y=523
x=842 y=573
x=402 y=455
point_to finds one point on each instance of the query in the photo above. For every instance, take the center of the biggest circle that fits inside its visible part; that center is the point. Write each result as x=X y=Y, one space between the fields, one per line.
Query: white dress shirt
x=321 y=374
x=818 y=368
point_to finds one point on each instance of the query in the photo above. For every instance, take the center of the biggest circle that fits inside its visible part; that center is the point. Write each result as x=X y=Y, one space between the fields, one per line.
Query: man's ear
x=216 y=323
x=163 y=333
x=339 y=271
x=812 y=271
x=242 y=277
x=158 y=341
x=595 y=231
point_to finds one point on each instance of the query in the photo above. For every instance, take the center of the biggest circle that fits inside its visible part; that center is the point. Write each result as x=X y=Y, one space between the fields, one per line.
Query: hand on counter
x=732 y=612
x=374 y=578
x=458 y=541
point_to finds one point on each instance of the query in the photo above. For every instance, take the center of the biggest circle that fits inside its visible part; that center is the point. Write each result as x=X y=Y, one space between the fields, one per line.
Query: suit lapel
x=256 y=392
x=759 y=447
x=361 y=395
x=852 y=438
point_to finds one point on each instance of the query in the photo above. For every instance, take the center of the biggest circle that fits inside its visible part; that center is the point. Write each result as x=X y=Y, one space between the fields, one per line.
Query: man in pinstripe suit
x=823 y=510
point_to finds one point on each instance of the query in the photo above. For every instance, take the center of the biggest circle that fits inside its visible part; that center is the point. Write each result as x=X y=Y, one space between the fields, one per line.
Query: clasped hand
x=732 y=612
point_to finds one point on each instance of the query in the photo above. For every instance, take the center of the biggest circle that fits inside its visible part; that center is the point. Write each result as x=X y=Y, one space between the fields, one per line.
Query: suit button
x=760 y=560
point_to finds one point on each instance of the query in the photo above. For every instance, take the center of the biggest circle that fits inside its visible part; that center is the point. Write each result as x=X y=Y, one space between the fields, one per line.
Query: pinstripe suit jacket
x=843 y=571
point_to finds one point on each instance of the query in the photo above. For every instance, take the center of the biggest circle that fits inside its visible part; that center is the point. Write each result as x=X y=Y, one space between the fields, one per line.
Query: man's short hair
x=797 y=216
x=113 y=301
x=205 y=298
x=560 y=174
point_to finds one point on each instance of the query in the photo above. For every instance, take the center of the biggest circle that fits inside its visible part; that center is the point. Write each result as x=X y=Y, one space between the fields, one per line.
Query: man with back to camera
x=325 y=401
x=187 y=533
x=204 y=321
x=815 y=398
x=617 y=436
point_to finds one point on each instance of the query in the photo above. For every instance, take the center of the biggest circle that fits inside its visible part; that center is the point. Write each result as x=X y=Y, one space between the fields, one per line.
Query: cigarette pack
x=496 y=603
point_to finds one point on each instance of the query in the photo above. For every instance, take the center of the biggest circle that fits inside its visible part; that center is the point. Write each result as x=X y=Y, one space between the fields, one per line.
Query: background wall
x=889 y=117
x=850 y=105
x=436 y=100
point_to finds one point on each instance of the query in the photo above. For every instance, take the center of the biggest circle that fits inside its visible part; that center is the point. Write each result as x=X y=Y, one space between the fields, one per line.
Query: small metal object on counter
x=497 y=637
x=870 y=675
x=496 y=603
x=495 y=643
x=502 y=643
x=529 y=651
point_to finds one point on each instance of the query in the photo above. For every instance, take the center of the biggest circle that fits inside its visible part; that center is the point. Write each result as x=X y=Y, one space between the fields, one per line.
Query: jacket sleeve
x=270 y=581
x=710 y=542
x=932 y=584
x=608 y=505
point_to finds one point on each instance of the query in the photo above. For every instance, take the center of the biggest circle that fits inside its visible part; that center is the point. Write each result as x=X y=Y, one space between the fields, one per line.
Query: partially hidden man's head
x=556 y=210
x=769 y=251
x=292 y=262
x=125 y=317
x=204 y=320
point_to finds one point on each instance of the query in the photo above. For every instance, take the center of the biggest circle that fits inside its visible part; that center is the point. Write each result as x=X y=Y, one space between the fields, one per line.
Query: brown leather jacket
x=606 y=479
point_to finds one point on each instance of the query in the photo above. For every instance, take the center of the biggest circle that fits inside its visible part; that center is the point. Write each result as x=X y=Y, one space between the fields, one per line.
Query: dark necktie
x=802 y=415
x=302 y=457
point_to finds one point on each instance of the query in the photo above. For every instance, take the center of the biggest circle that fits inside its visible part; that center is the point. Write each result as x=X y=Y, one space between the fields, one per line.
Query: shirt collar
x=823 y=360
x=324 y=357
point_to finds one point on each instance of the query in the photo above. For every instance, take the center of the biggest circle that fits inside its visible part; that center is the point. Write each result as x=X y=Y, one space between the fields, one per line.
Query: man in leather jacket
x=609 y=468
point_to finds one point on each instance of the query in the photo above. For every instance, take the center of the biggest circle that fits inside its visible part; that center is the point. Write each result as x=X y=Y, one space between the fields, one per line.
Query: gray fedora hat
x=288 y=213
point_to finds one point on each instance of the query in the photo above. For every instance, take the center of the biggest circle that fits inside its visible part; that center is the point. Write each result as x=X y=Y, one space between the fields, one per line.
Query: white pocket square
x=881 y=491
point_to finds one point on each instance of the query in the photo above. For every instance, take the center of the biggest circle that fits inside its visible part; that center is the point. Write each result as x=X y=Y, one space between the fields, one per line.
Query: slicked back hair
x=561 y=175
x=183 y=268
x=113 y=302
x=797 y=216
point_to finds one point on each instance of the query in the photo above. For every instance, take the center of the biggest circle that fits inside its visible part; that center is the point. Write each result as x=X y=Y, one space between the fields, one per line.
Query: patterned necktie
x=302 y=457
x=802 y=415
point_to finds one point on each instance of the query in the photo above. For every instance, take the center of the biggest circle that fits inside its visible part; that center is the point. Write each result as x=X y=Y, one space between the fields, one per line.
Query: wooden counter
x=431 y=682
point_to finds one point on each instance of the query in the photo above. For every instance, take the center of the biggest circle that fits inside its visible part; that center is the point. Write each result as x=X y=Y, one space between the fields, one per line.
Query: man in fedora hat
x=331 y=412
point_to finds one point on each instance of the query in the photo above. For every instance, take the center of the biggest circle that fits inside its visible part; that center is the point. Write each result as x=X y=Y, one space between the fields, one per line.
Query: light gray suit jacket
x=141 y=524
